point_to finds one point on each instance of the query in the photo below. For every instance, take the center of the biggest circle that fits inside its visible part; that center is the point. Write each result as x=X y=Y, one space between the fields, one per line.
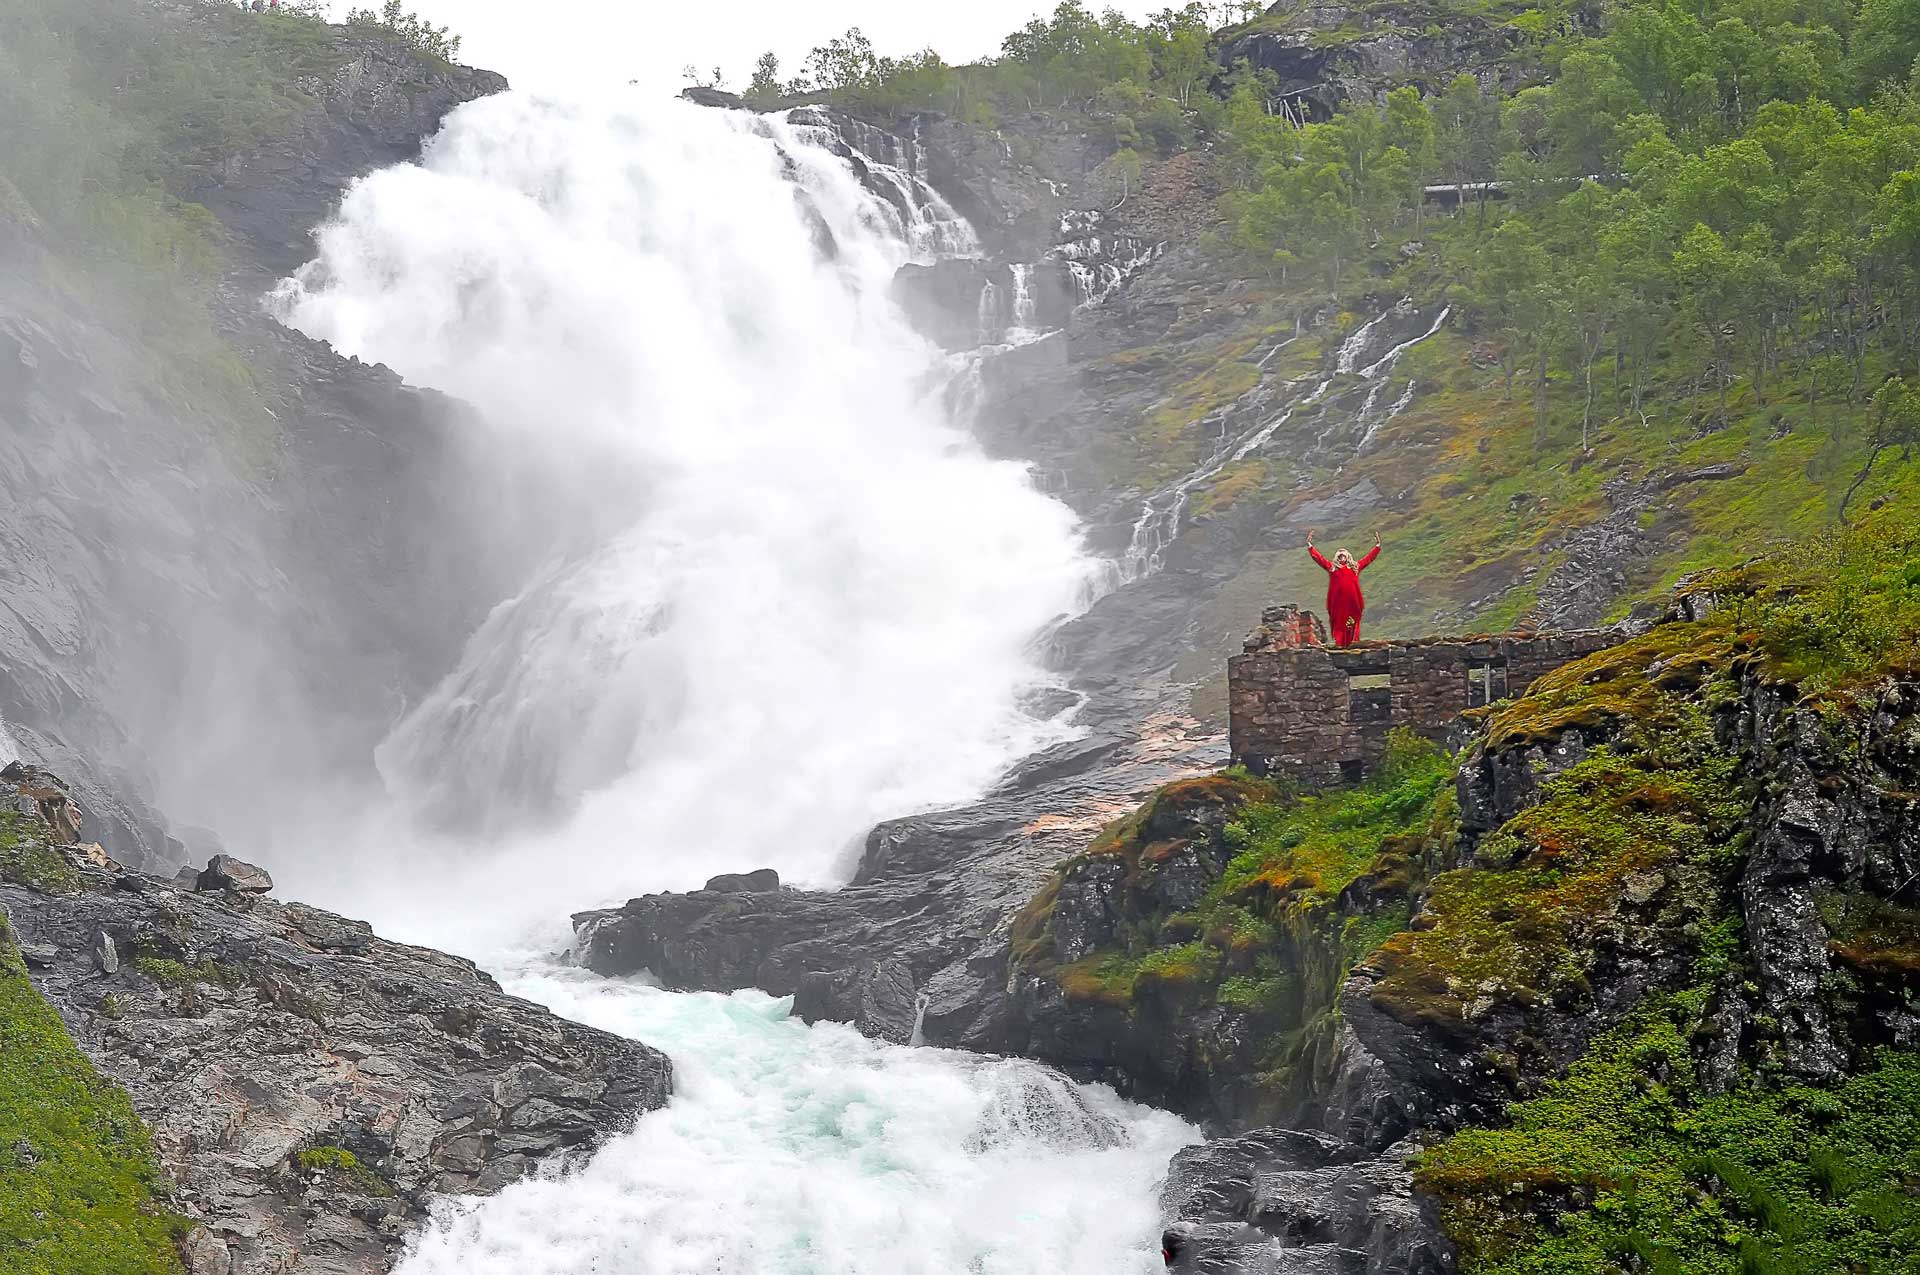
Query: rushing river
x=790 y=1150
x=788 y=598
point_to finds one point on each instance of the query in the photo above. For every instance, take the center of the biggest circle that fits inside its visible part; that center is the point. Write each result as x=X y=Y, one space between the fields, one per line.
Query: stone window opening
x=1370 y=696
x=1486 y=682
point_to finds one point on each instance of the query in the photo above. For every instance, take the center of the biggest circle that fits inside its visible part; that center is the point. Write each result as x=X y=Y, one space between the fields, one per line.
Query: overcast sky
x=651 y=40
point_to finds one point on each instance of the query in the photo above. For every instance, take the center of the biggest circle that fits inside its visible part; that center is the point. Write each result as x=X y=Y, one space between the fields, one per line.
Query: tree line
x=1728 y=181
x=1140 y=86
x=1731 y=177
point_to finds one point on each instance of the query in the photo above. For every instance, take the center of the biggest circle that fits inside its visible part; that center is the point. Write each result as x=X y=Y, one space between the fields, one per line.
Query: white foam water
x=801 y=583
x=790 y=1150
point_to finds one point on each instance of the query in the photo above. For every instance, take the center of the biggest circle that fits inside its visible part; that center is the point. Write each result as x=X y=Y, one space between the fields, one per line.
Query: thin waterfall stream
x=1163 y=514
x=785 y=570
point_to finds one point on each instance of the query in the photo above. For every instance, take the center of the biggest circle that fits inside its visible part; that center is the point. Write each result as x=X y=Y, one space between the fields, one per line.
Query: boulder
x=39 y=956
x=719 y=99
x=104 y=953
x=878 y=998
x=224 y=872
x=759 y=881
x=1282 y=1200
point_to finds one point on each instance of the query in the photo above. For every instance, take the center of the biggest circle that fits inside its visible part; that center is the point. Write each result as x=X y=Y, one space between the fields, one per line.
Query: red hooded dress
x=1344 y=603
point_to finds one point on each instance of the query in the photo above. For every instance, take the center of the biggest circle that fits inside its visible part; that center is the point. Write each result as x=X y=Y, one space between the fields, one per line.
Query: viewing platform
x=1301 y=708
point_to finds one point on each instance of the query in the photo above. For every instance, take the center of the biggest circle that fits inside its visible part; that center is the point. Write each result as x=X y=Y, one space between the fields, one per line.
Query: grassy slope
x=1473 y=505
x=1469 y=492
x=1473 y=509
x=80 y=1193
x=112 y=110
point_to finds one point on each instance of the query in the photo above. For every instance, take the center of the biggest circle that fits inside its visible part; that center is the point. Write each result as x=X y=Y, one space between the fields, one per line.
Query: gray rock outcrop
x=309 y=1084
x=224 y=872
x=877 y=997
x=1283 y=1202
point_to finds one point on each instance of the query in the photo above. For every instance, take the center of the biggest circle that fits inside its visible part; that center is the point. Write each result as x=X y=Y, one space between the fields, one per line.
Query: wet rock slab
x=1286 y=1202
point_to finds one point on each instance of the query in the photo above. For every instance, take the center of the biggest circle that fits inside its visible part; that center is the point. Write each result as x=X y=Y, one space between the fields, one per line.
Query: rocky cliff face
x=372 y=104
x=309 y=1084
x=260 y=519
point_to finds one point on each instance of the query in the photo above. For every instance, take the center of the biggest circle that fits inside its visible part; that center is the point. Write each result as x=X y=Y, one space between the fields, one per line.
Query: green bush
x=1629 y=1154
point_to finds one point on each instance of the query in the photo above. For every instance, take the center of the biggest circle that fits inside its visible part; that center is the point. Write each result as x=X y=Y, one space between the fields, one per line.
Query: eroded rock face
x=877 y=997
x=373 y=106
x=308 y=1083
x=1326 y=53
x=157 y=563
x=1828 y=890
x=1824 y=893
x=1279 y=1201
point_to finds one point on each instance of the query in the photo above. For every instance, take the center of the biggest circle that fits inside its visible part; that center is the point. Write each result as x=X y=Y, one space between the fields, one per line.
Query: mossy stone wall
x=1321 y=715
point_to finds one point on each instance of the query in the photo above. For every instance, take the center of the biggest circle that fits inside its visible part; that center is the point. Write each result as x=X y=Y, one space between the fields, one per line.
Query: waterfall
x=785 y=567
x=1378 y=372
x=1023 y=308
x=989 y=313
x=894 y=168
x=787 y=597
x=1163 y=514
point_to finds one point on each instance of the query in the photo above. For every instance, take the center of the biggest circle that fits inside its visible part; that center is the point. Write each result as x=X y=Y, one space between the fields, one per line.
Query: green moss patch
x=1657 y=814
x=1312 y=884
x=80 y=1192
x=1874 y=936
x=1627 y=1163
x=179 y=975
x=1178 y=813
x=1311 y=849
x=26 y=858
x=343 y=1166
x=1629 y=682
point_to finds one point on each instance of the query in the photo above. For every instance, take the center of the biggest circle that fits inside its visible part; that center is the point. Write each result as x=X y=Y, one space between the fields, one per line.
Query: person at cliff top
x=1344 y=602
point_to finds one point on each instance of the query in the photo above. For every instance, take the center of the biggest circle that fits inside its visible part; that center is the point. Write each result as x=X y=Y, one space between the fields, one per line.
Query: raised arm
x=1366 y=561
x=1324 y=564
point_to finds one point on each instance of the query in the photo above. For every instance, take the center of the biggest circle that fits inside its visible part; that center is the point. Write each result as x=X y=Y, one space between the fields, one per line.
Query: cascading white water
x=797 y=600
x=989 y=312
x=795 y=1151
x=814 y=588
x=1023 y=305
x=1378 y=372
x=1162 y=514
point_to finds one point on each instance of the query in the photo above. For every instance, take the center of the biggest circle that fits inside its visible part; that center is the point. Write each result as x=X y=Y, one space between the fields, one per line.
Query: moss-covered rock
x=1562 y=920
x=80 y=1191
x=1194 y=952
x=1632 y=1161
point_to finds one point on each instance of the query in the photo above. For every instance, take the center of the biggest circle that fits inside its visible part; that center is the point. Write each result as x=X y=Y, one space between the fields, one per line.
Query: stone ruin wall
x=1320 y=715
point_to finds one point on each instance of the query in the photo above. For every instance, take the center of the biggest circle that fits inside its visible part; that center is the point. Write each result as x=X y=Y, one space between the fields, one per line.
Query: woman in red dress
x=1344 y=603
